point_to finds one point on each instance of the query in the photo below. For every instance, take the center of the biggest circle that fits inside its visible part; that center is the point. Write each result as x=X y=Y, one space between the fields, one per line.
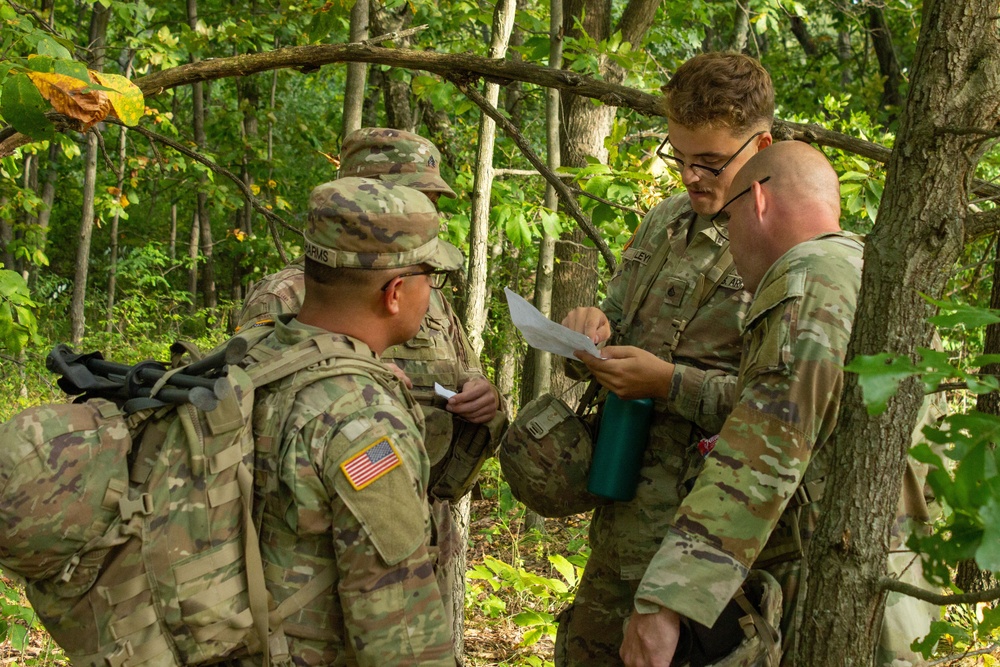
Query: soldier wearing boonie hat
x=394 y=156
x=351 y=505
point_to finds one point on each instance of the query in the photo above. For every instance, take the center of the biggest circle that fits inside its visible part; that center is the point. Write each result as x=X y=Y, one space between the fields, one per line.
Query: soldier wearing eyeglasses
x=679 y=344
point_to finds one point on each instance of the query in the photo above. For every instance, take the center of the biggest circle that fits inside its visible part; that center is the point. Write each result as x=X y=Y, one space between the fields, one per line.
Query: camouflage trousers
x=447 y=543
x=905 y=619
x=590 y=631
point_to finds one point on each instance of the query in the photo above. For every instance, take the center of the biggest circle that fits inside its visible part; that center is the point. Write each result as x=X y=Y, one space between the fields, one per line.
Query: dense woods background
x=127 y=238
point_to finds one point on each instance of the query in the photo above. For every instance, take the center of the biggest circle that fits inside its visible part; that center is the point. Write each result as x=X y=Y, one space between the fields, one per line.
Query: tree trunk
x=955 y=83
x=48 y=196
x=173 y=232
x=475 y=309
x=193 y=256
x=802 y=36
x=198 y=113
x=357 y=73
x=741 y=28
x=109 y=316
x=888 y=63
x=395 y=92
x=98 y=31
x=541 y=361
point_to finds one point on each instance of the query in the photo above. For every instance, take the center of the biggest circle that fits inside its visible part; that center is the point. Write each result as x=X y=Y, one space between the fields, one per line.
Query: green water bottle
x=621 y=440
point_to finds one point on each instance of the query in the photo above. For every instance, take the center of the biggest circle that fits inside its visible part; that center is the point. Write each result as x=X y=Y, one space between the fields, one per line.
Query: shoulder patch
x=370 y=463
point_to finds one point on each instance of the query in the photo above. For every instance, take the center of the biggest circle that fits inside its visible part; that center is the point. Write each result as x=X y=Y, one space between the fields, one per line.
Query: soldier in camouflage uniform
x=677 y=305
x=769 y=461
x=352 y=468
x=440 y=352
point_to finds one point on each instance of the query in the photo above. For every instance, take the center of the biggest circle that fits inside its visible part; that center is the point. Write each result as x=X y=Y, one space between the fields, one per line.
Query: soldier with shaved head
x=754 y=502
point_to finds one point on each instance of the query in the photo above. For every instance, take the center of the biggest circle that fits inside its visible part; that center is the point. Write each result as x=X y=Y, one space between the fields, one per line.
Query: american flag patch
x=374 y=461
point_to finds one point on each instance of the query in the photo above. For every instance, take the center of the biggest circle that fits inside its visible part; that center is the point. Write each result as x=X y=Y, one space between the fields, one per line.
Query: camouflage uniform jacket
x=440 y=352
x=352 y=473
x=706 y=358
x=790 y=382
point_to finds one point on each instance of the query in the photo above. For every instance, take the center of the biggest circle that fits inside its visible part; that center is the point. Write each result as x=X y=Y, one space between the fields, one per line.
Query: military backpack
x=132 y=521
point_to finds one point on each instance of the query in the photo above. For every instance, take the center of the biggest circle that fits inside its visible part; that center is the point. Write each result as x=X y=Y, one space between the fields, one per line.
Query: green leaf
x=564 y=568
x=531 y=618
x=602 y=215
x=926 y=646
x=24 y=108
x=879 y=376
x=50 y=47
x=988 y=553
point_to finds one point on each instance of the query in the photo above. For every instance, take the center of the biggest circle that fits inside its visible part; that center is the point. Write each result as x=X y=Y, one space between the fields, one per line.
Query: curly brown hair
x=720 y=90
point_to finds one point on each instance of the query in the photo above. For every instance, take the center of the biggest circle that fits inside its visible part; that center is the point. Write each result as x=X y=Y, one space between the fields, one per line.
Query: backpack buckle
x=69 y=569
x=121 y=656
x=142 y=505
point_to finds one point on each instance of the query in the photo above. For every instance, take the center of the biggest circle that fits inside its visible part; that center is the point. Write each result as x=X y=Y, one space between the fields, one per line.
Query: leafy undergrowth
x=517 y=582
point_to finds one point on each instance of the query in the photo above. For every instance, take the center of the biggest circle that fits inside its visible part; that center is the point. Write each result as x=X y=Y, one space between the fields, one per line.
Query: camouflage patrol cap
x=393 y=156
x=545 y=457
x=368 y=224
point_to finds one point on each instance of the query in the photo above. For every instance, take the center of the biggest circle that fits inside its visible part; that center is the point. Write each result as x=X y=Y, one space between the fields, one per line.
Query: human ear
x=392 y=295
x=760 y=204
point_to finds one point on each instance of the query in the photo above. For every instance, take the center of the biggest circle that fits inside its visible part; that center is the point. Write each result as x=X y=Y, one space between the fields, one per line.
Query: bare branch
x=982 y=223
x=890 y=584
x=272 y=217
x=572 y=207
x=967 y=654
x=104 y=149
x=392 y=36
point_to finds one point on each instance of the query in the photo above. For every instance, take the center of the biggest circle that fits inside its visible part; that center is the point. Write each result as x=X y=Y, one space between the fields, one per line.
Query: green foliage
x=18 y=325
x=17 y=621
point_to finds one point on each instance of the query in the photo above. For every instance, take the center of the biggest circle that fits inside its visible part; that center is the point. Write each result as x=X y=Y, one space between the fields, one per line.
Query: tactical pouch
x=745 y=634
x=471 y=444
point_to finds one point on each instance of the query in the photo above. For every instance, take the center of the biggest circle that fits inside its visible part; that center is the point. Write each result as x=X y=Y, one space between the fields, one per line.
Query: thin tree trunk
x=741 y=28
x=395 y=92
x=193 y=256
x=113 y=268
x=198 y=112
x=357 y=73
x=173 y=232
x=98 y=31
x=801 y=32
x=919 y=234
x=48 y=196
x=888 y=62
x=30 y=220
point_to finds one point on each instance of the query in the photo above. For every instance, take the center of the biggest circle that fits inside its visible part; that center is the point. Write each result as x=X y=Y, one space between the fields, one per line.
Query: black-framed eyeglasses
x=675 y=162
x=722 y=217
x=439 y=277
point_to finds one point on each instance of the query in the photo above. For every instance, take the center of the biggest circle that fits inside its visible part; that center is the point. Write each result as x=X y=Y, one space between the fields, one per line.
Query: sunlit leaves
x=17 y=319
x=126 y=99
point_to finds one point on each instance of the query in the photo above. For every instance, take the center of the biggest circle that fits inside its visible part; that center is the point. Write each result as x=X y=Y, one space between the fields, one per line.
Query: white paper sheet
x=443 y=391
x=544 y=334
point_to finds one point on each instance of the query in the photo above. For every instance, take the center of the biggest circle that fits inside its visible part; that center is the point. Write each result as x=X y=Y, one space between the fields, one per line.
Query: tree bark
x=741 y=28
x=395 y=92
x=195 y=239
x=98 y=32
x=918 y=237
x=357 y=73
x=802 y=36
x=205 y=233
x=109 y=316
x=173 y=232
x=888 y=62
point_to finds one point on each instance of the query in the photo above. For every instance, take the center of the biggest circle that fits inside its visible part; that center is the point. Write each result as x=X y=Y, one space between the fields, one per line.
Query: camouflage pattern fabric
x=440 y=352
x=353 y=474
x=625 y=536
x=393 y=156
x=348 y=219
x=797 y=332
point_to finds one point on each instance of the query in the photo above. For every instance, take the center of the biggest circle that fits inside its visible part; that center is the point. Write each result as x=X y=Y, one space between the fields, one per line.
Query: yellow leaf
x=68 y=96
x=123 y=200
x=332 y=159
x=114 y=192
x=254 y=188
x=125 y=97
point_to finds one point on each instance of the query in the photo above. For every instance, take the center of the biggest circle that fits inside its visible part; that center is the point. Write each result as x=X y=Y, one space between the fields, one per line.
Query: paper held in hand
x=544 y=334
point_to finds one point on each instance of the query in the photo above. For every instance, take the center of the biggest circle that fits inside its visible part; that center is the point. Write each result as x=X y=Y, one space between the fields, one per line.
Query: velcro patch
x=732 y=281
x=370 y=463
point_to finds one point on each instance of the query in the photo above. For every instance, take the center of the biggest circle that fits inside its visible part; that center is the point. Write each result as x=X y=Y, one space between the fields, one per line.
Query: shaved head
x=799 y=200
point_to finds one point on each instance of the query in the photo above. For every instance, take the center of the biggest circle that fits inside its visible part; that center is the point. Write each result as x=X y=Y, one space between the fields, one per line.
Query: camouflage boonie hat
x=545 y=457
x=367 y=224
x=393 y=156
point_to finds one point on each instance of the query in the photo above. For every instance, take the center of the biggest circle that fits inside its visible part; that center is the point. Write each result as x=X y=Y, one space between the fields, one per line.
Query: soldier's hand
x=630 y=372
x=651 y=639
x=477 y=402
x=398 y=372
x=589 y=321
